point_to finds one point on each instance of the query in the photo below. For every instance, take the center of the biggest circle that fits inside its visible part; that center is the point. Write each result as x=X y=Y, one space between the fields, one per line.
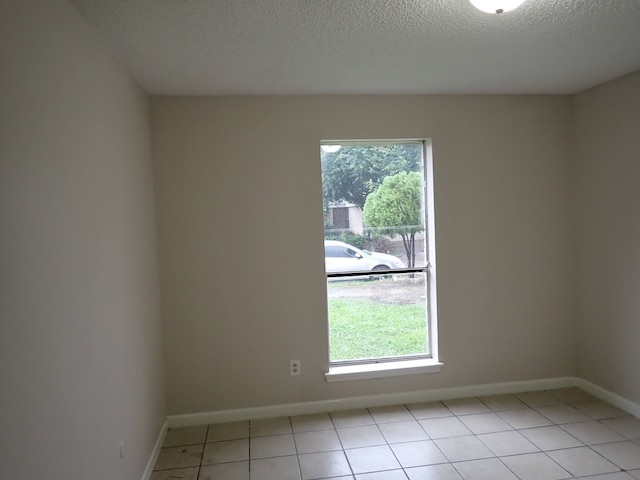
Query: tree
x=395 y=208
x=354 y=171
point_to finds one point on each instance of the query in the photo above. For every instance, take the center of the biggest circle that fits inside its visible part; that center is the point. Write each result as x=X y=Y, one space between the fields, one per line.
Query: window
x=341 y=217
x=380 y=275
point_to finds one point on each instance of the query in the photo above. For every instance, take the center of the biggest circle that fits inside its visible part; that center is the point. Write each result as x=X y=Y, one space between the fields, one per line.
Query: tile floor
x=549 y=435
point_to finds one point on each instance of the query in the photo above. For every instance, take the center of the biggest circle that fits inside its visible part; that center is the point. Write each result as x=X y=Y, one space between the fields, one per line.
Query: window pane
x=374 y=224
x=377 y=316
x=374 y=199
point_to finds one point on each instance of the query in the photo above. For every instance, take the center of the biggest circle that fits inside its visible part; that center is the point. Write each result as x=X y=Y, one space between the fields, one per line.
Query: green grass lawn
x=361 y=328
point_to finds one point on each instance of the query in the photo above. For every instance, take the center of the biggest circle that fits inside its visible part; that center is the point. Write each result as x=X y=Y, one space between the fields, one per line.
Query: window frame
x=407 y=364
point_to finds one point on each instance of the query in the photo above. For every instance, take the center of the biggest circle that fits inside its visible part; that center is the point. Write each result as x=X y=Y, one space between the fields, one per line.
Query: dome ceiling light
x=496 y=6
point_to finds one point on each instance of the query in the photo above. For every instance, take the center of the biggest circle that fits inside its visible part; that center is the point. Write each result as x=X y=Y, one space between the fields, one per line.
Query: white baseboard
x=610 y=397
x=155 y=452
x=303 y=408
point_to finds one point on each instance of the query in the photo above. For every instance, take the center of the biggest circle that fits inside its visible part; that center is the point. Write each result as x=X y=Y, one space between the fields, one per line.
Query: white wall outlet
x=294 y=368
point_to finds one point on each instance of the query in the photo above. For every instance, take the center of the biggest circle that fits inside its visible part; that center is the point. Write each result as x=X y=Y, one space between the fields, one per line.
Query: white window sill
x=379 y=370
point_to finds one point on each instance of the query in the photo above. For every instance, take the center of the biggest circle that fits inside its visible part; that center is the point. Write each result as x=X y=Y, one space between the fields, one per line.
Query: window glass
x=377 y=309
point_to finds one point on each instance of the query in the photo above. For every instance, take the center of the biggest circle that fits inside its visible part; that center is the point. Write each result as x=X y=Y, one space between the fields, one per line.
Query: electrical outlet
x=294 y=368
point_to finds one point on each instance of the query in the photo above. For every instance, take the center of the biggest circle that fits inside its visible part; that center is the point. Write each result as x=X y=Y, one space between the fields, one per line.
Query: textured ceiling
x=368 y=46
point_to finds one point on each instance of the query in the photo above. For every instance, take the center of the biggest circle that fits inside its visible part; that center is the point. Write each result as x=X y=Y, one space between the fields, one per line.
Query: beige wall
x=80 y=337
x=607 y=132
x=240 y=236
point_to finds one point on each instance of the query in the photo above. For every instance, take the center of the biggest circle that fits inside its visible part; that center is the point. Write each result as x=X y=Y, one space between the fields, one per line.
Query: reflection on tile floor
x=549 y=435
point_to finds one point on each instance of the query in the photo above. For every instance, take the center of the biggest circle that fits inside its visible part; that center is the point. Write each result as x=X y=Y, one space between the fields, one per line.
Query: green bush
x=347 y=237
x=380 y=243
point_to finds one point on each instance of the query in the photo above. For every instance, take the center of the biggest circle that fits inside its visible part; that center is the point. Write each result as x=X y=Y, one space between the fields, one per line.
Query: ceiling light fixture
x=496 y=6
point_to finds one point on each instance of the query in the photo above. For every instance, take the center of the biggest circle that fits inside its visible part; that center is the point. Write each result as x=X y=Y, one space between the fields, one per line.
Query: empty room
x=170 y=171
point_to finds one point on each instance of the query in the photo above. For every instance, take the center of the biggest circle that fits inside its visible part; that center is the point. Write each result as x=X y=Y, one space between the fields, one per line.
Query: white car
x=341 y=257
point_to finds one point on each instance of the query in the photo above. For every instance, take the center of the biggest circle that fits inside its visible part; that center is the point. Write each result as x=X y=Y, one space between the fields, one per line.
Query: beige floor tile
x=190 y=473
x=314 y=442
x=600 y=410
x=185 y=436
x=485 y=423
x=280 y=468
x=507 y=443
x=525 y=418
x=535 y=466
x=395 y=413
x=225 y=471
x=323 y=465
x=372 y=459
x=179 y=457
x=388 y=475
x=560 y=414
x=466 y=406
x=228 y=431
x=312 y=423
x=416 y=454
x=461 y=449
x=625 y=455
x=582 y=461
x=457 y=439
x=499 y=403
x=444 y=427
x=403 y=432
x=270 y=426
x=550 y=438
x=628 y=427
x=227 y=451
x=422 y=411
x=272 y=446
x=572 y=395
x=610 y=476
x=539 y=399
x=352 y=418
x=592 y=433
x=366 y=436
x=487 y=469
x=433 y=472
